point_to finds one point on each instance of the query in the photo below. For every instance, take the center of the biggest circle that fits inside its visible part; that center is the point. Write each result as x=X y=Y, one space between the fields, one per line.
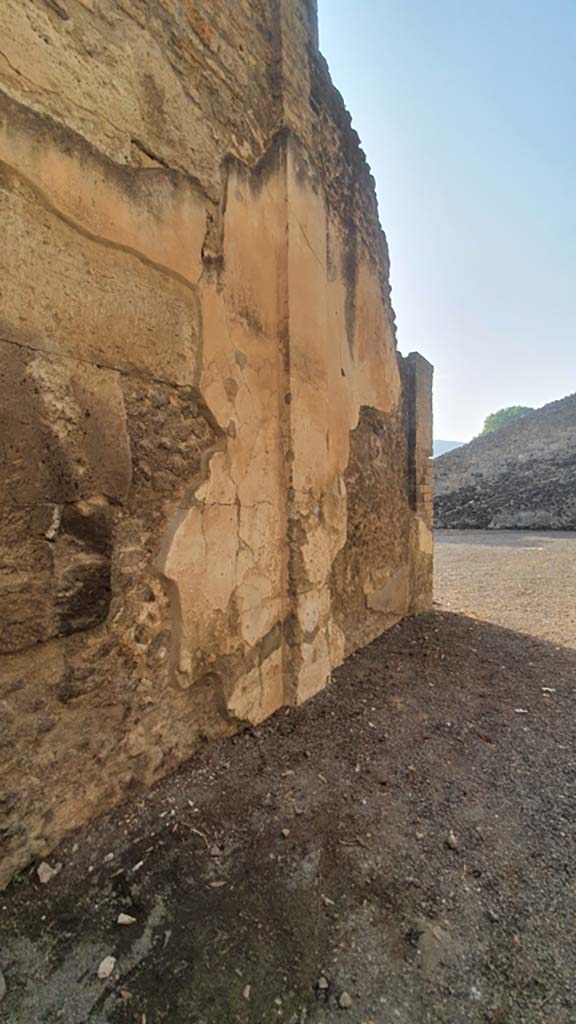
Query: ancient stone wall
x=214 y=465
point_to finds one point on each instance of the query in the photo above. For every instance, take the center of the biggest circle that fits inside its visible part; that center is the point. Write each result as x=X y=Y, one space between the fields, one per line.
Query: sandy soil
x=520 y=579
x=401 y=850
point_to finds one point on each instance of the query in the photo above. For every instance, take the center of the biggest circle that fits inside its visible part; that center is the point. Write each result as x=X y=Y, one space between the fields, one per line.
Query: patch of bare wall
x=214 y=464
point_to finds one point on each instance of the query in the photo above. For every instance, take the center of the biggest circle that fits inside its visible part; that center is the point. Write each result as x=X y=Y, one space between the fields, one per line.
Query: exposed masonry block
x=214 y=463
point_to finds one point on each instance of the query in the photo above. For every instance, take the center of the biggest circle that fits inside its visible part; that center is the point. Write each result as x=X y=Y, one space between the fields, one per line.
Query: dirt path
x=407 y=839
x=520 y=579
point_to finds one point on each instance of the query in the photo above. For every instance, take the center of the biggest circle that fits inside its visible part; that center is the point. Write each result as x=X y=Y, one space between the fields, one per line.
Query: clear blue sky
x=467 y=113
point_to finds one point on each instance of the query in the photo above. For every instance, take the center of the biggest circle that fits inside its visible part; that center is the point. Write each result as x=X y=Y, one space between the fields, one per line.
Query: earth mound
x=522 y=476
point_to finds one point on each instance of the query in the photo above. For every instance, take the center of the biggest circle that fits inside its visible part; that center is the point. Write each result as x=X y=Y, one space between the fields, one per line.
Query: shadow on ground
x=407 y=837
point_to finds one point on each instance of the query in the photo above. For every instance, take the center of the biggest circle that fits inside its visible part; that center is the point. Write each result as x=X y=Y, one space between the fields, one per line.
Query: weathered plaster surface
x=214 y=464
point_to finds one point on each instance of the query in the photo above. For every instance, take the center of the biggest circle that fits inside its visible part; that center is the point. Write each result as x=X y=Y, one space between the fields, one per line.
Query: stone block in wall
x=76 y=294
x=64 y=462
x=55 y=571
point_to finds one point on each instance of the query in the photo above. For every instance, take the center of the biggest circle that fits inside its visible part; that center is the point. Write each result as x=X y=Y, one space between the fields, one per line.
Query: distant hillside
x=521 y=476
x=441 y=447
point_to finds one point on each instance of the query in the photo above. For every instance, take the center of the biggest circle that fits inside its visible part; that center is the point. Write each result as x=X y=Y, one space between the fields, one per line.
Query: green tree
x=499 y=419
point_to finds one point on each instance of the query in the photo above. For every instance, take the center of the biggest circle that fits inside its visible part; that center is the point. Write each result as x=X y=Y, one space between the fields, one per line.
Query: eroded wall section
x=214 y=464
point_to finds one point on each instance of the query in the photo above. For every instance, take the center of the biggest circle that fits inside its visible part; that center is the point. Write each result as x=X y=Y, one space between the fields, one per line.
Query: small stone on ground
x=106 y=967
x=46 y=872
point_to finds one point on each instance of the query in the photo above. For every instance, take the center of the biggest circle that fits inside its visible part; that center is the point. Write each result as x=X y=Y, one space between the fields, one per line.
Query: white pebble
x=46 y=872
x=106 y=967
x=125 y=919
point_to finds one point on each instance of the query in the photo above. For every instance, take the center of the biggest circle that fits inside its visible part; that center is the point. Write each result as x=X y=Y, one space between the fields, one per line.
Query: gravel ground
x=520 y=579
x=400 y=850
